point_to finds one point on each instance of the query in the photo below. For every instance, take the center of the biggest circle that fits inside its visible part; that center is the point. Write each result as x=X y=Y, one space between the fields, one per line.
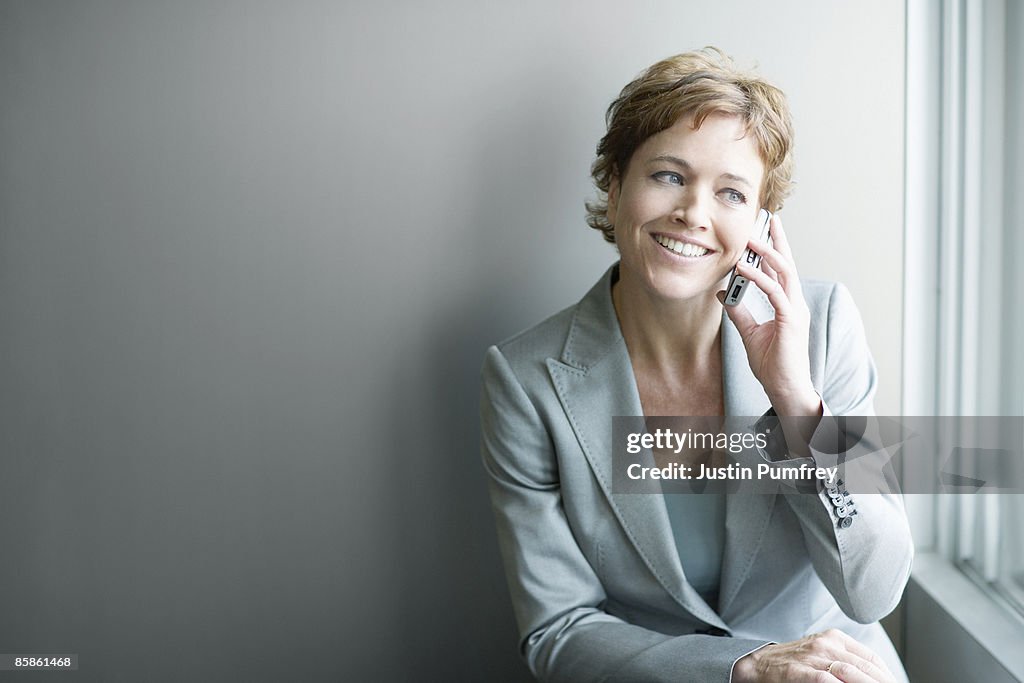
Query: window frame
x=954 y=171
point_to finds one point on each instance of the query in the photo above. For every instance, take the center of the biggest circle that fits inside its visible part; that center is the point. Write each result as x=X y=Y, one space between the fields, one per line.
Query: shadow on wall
x=459 y=623
x=457 y=598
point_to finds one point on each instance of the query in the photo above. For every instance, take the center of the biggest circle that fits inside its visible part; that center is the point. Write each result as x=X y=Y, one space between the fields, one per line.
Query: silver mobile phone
x=738 y=283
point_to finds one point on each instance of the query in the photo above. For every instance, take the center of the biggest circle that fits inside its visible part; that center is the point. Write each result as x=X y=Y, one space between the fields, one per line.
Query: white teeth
x=682 y=248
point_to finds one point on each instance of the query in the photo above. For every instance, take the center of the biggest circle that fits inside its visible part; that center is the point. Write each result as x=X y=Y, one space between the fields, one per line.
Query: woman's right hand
x=824 y=657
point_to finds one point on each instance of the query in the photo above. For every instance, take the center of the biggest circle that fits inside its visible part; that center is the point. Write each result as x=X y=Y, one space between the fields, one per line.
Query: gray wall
x=251 y=254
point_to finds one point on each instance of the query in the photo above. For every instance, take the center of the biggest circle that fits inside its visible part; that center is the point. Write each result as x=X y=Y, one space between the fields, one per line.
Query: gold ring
x=828 y=669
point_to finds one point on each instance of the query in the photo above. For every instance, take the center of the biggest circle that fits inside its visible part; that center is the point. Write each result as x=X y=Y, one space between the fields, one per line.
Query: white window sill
x=955 y=631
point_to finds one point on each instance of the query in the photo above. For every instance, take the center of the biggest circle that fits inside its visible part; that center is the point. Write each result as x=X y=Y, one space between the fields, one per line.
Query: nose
x=692 y=210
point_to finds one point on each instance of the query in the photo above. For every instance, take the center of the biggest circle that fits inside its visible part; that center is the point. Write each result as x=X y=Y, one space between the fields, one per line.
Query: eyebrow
x=682 y=163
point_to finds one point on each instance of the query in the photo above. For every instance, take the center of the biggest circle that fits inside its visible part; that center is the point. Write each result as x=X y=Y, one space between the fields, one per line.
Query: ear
x=614 y=187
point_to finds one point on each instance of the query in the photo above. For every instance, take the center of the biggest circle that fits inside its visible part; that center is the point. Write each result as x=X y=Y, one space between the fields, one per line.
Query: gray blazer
x=597 y=587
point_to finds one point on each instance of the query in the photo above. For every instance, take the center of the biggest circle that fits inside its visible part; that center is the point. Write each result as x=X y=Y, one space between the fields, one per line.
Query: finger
x=739 y=315
x=816 y=676
x=871 y=670
x=776 y=294
x=849 y=673
x=768 y=269
x=777 y=262
x=863 y=651
x=779 y=238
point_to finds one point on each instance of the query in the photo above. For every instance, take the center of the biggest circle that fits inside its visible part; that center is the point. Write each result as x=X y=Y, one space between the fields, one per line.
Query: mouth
x=680 y=248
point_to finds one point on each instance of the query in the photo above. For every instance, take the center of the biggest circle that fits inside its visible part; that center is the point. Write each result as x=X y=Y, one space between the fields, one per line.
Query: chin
x=677 y=289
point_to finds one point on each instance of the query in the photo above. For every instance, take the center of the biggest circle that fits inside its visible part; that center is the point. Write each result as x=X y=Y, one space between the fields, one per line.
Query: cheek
x=735 y=241
x=738 y=245
x=625 y=235
x=638 y=209
x=628 y=217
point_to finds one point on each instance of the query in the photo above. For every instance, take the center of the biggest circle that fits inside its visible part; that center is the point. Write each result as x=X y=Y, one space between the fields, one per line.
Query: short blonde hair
x=696 y=84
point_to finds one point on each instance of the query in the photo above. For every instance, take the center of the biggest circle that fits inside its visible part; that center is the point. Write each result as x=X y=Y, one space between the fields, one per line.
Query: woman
x=625 y=587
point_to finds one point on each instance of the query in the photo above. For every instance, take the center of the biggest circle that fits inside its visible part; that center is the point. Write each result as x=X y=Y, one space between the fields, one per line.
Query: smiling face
x=685 y=208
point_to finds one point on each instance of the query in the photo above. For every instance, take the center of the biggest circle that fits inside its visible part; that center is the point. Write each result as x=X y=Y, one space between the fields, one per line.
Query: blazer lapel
x=747 y=514
x=594 y=381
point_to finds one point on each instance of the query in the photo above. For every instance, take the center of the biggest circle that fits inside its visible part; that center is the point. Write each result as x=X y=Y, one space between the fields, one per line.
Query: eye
x=668 y=177
x=734 y=196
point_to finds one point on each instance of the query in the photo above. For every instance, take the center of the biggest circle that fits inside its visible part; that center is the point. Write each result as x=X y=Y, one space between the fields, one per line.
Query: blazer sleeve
x=863 y=559
x=556 y=595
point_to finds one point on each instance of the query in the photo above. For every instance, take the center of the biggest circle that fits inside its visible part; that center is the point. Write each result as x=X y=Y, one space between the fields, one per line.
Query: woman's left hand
x=778 y=349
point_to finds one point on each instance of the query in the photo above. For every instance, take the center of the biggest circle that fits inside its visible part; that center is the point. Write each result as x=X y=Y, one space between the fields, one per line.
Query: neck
x=668 y=336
